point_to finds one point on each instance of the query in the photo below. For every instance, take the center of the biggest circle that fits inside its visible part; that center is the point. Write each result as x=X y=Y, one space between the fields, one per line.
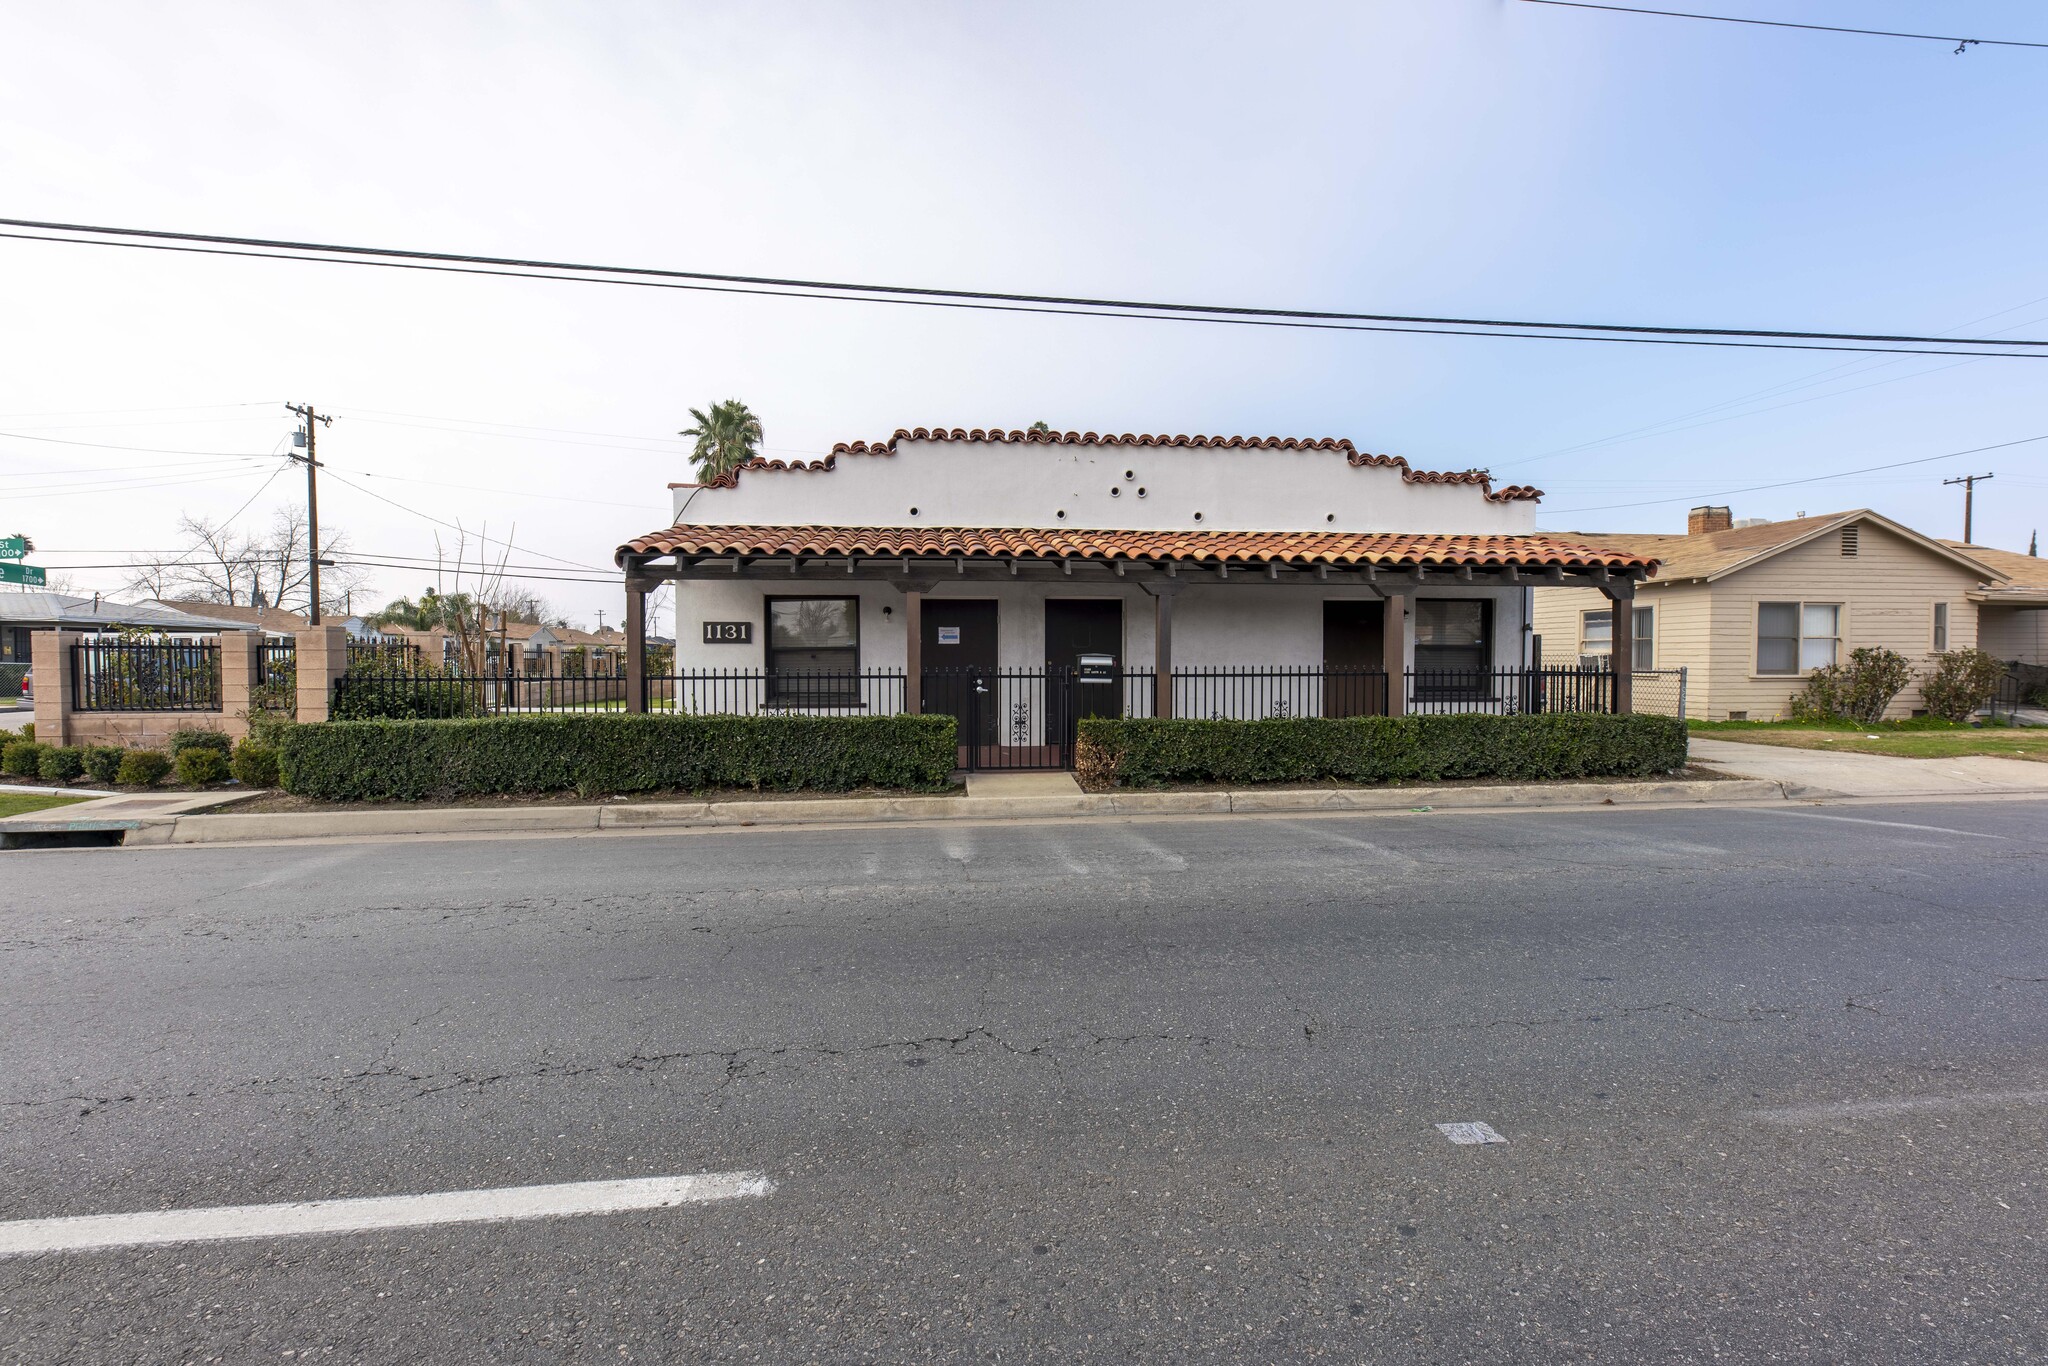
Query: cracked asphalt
x=1775 y=1085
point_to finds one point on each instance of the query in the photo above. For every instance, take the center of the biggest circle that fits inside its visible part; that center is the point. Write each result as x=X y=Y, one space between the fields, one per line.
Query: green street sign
x=13 y=547
x=27 y=575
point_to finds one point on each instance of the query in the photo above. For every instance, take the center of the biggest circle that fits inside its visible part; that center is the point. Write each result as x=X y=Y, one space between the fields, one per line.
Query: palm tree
x=727 y=437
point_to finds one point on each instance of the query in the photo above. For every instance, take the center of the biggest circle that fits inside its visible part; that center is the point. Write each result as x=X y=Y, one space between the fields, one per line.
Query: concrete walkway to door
x=1022 y=785
x=1871 y=775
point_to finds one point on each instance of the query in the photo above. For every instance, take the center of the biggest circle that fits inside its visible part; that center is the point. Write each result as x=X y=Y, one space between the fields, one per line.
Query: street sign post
x=27 y=575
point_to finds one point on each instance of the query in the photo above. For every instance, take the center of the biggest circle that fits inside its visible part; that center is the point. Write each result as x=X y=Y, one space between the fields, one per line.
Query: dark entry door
x=1075 y=627
x=960 y=664
x=1354 y=658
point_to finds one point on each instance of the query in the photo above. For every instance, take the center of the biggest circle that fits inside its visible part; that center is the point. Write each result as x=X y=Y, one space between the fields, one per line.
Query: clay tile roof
x=1388 y=549
x=1352 y=454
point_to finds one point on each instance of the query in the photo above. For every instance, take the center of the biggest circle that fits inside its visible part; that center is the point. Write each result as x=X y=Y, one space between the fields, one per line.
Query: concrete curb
x=233 y=828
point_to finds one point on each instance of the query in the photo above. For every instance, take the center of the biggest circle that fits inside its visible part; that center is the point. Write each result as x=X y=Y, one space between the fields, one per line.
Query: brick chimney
x=1701 y=520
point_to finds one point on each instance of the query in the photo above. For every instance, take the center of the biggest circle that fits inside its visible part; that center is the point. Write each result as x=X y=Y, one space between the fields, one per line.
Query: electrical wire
x=1960 y=43
x=1811 y=479
x=999 y=301
x=107 y=446
x=457 y=527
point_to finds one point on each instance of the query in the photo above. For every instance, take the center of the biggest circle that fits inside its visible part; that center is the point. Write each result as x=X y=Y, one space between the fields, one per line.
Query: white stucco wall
x=1276 y=625
x=1003 y=484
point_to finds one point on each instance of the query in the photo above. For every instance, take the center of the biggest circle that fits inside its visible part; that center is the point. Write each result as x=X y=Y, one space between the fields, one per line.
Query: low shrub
x=254 y=765
x=1963 y=681
x=1860 y=691
x=143 y=768
x=183 y=740
x=1377 y=749
x=103 y=763
x=60 y=763
x=21 y=759
x=601 y=753
x=28 y=732
x=200 y=765
x=415 y=691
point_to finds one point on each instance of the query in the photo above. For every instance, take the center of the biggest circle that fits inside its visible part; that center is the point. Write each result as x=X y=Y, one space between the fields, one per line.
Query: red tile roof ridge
x=1354 y=456
x=1307 y=547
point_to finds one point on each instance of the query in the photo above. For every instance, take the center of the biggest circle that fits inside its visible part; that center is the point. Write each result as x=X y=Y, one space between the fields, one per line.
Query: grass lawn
x=17 y=804
x=1906 y=740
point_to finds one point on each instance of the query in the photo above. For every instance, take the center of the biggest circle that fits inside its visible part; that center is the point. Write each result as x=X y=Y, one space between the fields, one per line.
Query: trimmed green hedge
x=598 y=753
x=1378 y=749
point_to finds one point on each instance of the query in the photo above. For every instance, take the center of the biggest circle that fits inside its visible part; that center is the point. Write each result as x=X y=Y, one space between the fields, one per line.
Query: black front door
x=1075 y=627
x=960 y=664
x=1354 y=654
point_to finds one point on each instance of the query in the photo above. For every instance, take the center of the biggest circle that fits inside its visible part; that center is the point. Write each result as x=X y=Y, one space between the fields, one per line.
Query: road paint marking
x=1470 y=1133
x=1897 y=1105
x=1896 y=825
x=1158 y=851
x=86 y=1232
x=1314 y=828
x=1067 y=859
x=957 y=849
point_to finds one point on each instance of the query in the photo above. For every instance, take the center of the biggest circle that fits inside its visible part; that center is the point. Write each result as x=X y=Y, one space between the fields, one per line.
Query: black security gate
x=1014 y=719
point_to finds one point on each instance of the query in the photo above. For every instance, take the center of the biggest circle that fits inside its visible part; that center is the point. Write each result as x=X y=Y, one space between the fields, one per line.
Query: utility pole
x=1969 y=483
x=314 y=422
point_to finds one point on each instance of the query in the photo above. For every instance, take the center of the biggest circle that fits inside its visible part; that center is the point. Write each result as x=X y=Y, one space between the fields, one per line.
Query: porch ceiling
x=957 y=547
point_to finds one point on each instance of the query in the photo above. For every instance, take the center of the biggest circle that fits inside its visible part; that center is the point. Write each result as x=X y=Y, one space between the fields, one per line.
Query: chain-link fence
x=1659 y=692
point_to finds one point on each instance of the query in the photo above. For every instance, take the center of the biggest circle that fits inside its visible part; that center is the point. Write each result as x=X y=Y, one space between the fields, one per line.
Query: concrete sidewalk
x=137 y=826
x=1817 y=772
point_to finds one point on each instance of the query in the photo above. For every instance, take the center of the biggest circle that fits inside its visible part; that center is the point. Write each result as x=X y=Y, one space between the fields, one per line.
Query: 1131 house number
x=728 y=633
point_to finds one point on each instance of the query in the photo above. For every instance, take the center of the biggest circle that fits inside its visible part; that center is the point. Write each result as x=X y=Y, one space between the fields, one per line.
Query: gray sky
x=1428 y=156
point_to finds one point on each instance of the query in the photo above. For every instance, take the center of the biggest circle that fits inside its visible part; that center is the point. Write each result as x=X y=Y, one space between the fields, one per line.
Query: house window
x=1453 y=646
x=1940 y=626
x=814 y=651
x=1596 y=637
x=1795 y=637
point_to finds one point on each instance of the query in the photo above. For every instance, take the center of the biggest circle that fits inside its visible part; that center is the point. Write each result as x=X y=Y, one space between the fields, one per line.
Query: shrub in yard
x=405 y=688
x=254 y=765
x=1963 y=681
x=28 y=732
x=143 y=768
x=200 y=765
x=193 y=738
x=599 y=752
x=1377 y=749
x=21 y=759
x=60 y=763
x=1860 y=691
x=103 y=763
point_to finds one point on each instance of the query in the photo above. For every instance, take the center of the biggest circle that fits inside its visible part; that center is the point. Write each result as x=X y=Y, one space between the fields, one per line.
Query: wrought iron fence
x=1251 y=693
x=280 y=660
x=754 y=692
x=124 y=675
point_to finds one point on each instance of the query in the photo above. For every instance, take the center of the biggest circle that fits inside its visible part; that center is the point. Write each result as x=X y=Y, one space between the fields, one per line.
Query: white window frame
x=1800 y=667
x=1644 y=653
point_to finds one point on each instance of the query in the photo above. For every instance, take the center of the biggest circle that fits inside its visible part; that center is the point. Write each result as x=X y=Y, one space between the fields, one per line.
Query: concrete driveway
x=1871 y=775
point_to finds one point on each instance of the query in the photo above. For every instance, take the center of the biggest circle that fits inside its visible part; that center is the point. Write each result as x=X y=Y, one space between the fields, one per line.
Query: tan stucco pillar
x=241 y=673
x=50 y=657
x=322 y=657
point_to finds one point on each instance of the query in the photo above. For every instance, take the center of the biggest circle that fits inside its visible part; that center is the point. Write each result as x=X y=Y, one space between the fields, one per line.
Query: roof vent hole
x=913 y=512
x=1329 y=516
x=1130 y=474
x=1198 y=516
x=1115 y=492
x=1141 y=490
x=1849 y=541
x=1061 y=514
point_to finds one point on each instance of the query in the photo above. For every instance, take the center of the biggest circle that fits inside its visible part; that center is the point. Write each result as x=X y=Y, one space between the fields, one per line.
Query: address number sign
x=728 y=633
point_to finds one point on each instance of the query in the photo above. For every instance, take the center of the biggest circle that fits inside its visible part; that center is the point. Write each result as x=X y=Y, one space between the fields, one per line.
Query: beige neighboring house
x=2012 y=616
x=1748 y=611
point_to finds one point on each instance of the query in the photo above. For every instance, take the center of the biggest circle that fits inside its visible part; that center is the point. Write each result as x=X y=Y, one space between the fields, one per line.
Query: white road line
x=1896 y=825
x=1897 y=1105
x=1316 y=828
x=1469 y=1132
x=1158 y=851
x=957 y=847
x=85 y=1232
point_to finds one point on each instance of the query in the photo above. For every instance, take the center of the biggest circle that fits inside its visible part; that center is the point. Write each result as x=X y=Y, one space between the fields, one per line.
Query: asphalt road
x=1774 y=1084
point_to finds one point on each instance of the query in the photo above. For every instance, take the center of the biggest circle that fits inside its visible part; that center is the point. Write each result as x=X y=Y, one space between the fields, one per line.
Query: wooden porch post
x=1162 y=649
x=1394 y=652
x=1621 y=598
x=913 y=651
x=636 y=647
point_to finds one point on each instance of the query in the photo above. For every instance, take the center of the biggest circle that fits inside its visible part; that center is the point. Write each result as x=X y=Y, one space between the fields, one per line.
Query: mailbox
x=1095 y=669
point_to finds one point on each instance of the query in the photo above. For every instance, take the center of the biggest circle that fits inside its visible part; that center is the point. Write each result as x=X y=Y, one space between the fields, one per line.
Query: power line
x=458 y=527
x=108 y=446
x=1811 y=479
x=1000 y=301
x=1961 y=43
